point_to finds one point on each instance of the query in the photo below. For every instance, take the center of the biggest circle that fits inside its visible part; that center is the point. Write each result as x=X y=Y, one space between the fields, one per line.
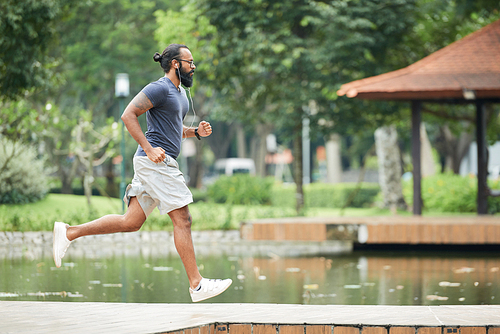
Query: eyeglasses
x=191 y=62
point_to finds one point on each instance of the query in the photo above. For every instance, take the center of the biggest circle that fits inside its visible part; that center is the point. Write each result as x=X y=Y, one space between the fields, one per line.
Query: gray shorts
x=159 y=185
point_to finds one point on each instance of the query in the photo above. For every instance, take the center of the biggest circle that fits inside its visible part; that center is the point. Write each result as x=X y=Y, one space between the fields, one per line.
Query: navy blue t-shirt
x=165 y=118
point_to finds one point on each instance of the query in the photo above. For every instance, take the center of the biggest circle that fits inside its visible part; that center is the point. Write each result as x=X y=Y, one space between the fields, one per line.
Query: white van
x=234 y=166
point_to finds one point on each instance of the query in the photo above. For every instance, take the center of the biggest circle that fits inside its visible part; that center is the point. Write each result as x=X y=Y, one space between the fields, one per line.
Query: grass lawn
x=41 y=215
x=73 y=209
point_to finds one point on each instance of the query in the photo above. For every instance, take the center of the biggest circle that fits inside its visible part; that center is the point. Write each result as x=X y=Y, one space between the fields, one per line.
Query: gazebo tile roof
x=472 y=63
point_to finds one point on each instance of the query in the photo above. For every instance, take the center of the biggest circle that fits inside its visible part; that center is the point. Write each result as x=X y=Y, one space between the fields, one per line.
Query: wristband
x=197 y=134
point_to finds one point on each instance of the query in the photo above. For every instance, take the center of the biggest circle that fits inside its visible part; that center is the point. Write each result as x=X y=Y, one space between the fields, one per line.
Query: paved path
x=61 y=317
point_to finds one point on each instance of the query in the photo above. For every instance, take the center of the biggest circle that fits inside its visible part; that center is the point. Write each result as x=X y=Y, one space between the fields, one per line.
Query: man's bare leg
x=131 y=221
x=181 y=219
x=63 y=234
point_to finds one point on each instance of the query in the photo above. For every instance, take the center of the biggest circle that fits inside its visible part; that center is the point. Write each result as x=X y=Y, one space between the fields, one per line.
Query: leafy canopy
x=27 y=31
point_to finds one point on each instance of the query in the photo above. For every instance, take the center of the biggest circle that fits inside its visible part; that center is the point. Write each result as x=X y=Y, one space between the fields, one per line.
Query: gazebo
x=466 y=71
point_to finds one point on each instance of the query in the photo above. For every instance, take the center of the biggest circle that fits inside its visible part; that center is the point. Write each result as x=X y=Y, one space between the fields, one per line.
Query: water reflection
x=359 y=278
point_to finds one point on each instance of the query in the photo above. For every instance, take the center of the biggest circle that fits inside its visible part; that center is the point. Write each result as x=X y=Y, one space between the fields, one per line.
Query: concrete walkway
x=61 y=317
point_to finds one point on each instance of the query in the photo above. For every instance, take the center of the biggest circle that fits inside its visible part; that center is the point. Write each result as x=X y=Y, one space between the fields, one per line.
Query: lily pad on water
x=446 y=284
x=311 y=286
x=436 y=297
x=163 y=268
x=352 y=286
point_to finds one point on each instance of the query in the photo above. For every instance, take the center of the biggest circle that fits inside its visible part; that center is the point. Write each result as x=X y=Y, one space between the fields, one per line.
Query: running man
x=157 y=181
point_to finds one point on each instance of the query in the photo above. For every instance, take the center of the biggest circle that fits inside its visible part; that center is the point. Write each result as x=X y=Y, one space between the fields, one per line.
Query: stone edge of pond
x=216 y=242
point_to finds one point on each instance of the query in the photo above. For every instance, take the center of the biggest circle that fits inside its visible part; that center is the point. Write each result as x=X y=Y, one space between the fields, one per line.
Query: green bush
x=283 y=195
x=199 y=195
x=325 y=195
x=22 y=175
x=494 y=202
x=451 y=193
x=241 y=189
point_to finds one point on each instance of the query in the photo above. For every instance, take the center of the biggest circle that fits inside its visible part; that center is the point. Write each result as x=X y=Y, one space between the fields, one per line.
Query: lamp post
x=121 y=92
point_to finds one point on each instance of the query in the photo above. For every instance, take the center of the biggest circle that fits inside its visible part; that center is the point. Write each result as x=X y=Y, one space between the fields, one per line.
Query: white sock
x=198 y=287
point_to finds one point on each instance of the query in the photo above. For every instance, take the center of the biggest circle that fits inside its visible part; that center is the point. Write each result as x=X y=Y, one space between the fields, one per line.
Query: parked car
x=234 y=166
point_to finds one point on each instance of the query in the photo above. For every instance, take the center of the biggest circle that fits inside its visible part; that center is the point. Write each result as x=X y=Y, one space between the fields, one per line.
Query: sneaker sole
x=56 y=235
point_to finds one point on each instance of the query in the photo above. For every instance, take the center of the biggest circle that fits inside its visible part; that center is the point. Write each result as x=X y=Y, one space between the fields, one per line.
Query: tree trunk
x=196 y=168
x=111 y=187
x=66 y=184
x=221 y=138
x=454 y=149
x=298 y=170
x=259 y=148
x=389 y=165
x=426 y=157
x=333 y=159
x=240 y=141
x=67 y=176
x=88 y=179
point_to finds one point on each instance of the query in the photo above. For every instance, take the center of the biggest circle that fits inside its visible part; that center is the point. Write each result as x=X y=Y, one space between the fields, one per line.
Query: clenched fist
x=204 y=129
x=156 y=154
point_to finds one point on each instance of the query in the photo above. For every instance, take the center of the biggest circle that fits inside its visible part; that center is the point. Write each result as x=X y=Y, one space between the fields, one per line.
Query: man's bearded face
x=186 y=77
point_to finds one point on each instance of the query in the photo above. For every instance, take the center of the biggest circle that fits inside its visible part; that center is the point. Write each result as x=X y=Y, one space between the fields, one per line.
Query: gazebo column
x=416 y=107
x=482 y=186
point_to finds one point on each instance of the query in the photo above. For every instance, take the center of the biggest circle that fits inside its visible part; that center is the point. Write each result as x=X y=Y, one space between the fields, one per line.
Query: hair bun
x=157 y=57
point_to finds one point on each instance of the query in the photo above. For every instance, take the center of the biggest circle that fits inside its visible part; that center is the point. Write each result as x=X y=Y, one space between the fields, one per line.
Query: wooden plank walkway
x=62 y=317
x=460 y=230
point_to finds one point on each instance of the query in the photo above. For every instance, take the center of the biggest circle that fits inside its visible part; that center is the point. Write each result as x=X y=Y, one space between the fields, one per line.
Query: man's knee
x=181 y=218
x=131 y=225
x=135 y=226
x=183 y=222
x=134 y=218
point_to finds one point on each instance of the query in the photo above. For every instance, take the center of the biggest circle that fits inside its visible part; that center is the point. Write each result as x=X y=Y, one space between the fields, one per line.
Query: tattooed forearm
x=142 y=102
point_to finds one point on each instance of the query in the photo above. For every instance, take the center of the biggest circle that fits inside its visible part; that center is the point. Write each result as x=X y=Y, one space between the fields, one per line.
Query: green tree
x=187 y=26
x=273 y=58
x=276 y=57
x=27 y=32
x=24 y=121
x=87 y=142
x=107 y=37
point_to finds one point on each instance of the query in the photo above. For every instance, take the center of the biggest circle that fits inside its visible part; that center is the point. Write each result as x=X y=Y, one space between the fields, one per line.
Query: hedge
x=241 y=189
x=326 y=195
x=451 y=193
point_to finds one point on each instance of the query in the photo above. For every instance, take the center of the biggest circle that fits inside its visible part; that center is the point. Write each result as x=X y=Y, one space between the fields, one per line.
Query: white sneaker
x=60 y=242
x=209 y=288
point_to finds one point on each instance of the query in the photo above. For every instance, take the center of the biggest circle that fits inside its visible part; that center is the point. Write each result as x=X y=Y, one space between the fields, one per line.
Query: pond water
x=371 y=278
